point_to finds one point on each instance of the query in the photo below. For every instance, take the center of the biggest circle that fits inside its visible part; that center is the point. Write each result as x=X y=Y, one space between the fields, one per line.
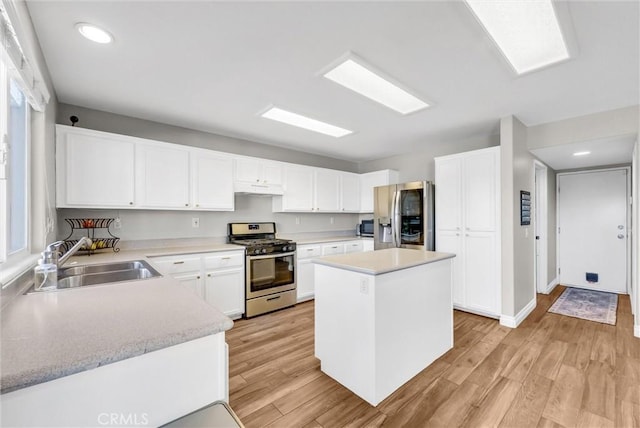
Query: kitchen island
x=139 y=352
x=381 y=317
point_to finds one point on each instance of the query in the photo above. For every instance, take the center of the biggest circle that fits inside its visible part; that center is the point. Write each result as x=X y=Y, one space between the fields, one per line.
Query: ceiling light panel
x=526 y=31
x=581 y=153
x=360 y=79
x=93 y=33
x=305 y=122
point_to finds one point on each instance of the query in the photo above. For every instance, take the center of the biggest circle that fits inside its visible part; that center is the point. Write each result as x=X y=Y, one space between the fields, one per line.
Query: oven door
x=270 y=274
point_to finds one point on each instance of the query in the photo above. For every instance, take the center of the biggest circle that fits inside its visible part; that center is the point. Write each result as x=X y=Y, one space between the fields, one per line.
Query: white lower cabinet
x=218 y=277
x=224 y=289
x=192 y=281
x=307 y=252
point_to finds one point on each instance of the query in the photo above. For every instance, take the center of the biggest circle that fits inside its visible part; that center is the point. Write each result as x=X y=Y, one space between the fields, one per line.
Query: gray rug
x=590 y=305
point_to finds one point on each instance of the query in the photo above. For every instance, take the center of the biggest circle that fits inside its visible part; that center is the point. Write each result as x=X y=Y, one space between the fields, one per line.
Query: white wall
x=612 y=123
x=419 y=165
x=518 y=243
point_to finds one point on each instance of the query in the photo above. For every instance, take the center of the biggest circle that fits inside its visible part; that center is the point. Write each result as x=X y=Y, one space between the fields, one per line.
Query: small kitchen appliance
x=366 y=228
x=270 y=276
x=404 y=216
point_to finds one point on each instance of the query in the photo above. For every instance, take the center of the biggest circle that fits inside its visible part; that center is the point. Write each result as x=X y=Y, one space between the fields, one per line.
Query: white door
x=350 y=192
x=225 y=290
x=212 y=185
x=305 y=280
x=100 y=171
x=480 y=276
x=592 y=220
x=448 y=241
x=448 y=183
x=540 y=225
x=163 y=176
x=298 y=189
x=327 y=190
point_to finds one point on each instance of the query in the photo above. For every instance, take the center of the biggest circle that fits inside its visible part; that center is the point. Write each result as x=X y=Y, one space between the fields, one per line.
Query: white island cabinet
x=381 y=317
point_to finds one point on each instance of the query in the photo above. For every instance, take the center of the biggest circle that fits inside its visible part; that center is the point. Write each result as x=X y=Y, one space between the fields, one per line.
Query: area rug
x=590 y=305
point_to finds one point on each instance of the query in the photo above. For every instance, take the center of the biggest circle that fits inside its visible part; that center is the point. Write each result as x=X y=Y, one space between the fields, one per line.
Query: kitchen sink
x=103 y=268
x=81 y=276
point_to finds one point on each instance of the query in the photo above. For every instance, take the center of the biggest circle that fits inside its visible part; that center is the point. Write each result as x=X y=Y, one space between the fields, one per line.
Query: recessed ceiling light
x=581 y=153
x=93 y=33
x=300 y=121
x=360 y=79
x=527 y=32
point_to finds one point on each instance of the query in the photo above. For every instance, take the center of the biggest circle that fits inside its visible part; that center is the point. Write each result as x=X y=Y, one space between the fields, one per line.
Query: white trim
x=636 y=330
x=513 y=322
x=551 y=286
x=475 y=311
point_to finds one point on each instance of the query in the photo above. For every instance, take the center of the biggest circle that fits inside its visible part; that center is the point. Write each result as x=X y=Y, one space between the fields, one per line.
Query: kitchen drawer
x=169 y=265
x=308 y=251
x=223 y=260
x=331 y=249
x=354 y=246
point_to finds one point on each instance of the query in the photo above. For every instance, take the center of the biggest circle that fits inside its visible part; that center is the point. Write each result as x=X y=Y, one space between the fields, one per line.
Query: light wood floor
x=551 y=371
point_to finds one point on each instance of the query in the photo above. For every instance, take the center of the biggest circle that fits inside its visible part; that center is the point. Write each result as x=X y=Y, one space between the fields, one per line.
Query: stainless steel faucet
x=51 y=254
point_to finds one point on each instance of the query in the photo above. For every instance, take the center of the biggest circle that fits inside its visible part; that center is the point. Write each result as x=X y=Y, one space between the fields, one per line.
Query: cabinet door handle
x=209 y=275
x=130 y=203
x=178 y=263
x=226 y=258
x=186 y=205
x=198 y=277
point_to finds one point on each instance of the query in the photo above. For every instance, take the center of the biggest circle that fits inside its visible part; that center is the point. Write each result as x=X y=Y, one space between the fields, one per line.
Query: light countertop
x=382 y=261
x=54 y=334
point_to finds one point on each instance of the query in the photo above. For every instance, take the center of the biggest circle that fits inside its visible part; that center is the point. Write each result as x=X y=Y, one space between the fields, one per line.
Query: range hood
x=258 y=189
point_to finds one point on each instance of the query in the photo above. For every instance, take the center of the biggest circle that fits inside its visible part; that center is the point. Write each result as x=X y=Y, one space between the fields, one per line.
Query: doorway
x=593 y=213
x=540 y=225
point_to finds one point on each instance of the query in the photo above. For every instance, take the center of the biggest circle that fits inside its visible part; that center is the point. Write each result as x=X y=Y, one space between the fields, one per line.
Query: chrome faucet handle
x=54 y=246
x=52 y=252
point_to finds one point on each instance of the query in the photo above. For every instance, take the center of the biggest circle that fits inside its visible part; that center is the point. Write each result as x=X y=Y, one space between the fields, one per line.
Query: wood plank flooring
x=552 y=371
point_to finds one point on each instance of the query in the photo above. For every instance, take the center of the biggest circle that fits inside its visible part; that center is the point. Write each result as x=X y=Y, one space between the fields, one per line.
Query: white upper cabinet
x=94 y=169
x=253 y=175
x=350 y=192
x=449 y=193
x=298 y=190
x=102 y=170
x=211 y=181
x=327 y=191
x=373 y=179
x=162 y=176
x=481 y=185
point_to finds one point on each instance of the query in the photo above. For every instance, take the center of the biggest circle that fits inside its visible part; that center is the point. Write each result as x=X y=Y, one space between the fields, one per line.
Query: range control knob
x=264 y=250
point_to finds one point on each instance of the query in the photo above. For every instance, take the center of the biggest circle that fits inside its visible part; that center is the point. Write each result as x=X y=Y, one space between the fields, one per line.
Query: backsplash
x=152 y=225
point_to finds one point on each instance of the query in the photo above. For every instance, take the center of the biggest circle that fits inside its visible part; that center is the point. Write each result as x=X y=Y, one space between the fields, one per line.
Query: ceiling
x=215 y=66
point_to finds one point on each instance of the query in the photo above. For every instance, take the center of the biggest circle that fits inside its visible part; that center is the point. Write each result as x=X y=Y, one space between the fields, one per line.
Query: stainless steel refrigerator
x=404 y=216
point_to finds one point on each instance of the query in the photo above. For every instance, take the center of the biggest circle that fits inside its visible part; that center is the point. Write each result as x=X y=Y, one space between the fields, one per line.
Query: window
x=18 y=185
x=14 y=172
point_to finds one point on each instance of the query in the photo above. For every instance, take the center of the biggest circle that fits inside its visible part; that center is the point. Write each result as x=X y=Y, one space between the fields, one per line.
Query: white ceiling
x=214 y=66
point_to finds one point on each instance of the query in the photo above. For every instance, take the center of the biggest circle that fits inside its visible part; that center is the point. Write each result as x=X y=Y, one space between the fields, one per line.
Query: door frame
x=586 y=171
x=540 y=213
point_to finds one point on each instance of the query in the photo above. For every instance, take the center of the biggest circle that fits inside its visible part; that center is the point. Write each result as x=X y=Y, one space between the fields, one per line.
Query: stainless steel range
x=270 y=281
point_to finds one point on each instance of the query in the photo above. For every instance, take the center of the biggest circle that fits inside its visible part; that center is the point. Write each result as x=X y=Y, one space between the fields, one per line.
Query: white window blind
x=19 y=65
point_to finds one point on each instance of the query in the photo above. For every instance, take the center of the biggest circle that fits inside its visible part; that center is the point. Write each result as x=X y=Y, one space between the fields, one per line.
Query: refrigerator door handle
x=396 y=219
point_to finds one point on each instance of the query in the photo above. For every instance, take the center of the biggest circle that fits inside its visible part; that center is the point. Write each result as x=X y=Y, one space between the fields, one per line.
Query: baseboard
x=550 y=286
x=513 y=322
x=636 y=330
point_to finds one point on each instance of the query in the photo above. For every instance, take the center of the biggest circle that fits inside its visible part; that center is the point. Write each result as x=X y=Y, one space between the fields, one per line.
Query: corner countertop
x=49 y=335
x=382 y=261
